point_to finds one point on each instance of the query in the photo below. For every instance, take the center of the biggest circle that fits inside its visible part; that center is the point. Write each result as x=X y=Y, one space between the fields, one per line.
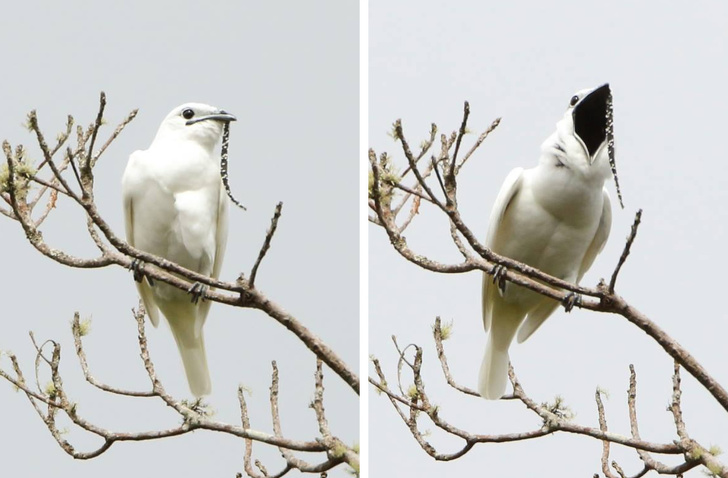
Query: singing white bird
x=555 y=217
x=175 y=207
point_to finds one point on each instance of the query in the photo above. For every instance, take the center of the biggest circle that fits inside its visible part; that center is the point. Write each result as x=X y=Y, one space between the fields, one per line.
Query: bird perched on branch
x=175 y=207
x=555 y=217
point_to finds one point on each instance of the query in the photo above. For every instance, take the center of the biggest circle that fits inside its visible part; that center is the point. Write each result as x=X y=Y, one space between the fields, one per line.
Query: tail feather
x=194 y=360
x=191 y=344
x=504 y=320
x=493 y=376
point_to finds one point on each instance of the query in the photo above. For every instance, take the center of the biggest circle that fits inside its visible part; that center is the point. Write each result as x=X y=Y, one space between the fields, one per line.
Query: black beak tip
x=231 y=116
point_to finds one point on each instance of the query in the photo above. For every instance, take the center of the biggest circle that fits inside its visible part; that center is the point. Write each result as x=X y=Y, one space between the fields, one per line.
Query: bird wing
x=600 y=238
x=510 y=187
x=220 y=245
x=128 y=187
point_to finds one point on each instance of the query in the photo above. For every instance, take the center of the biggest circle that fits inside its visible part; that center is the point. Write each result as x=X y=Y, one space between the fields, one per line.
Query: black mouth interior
x=590 y=118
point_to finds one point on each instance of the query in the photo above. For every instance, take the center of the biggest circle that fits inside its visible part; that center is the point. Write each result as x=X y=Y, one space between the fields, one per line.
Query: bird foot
x=137 y=268
x=197 y=291
x=499 y=278
x=572 y=299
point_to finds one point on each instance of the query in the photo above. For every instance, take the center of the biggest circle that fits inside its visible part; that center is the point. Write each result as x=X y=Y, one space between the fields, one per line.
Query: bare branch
x=114 y=135
x=412 y=161
x=437 y=332
x=477 y=144
x=78 y=332
x=692 y=449
x=605 y=443
x=193 y=414
x=426 y=145
x=461 y=133
x=266 y=243
x=649 y=462
x=88 y=164
x=411 y=402
x=625 y=252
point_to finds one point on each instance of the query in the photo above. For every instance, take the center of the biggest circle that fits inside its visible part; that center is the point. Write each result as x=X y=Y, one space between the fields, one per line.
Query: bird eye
x=188 y=113
x=574 y=100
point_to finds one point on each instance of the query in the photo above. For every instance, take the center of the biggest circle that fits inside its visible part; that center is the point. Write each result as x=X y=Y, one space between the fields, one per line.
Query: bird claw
x=499 y=278
x=572 y=299
x=197 y=291
x=137 y=268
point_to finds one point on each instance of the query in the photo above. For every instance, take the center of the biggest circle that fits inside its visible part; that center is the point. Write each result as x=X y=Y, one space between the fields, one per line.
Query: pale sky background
x=523 y=61
x=289 y=71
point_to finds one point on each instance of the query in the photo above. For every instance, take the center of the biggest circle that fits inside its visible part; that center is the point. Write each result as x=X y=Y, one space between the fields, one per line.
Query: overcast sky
x=289 y=71
x=523 y=61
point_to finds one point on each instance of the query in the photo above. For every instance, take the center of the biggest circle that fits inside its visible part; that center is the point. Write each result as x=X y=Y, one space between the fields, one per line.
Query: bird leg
x=197 y=291
x=499 y=278
x=571 y=299
x=137 y=268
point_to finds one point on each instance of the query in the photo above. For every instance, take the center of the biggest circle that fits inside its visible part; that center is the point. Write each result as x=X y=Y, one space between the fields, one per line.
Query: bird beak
x=590 y=119
x=221 y=115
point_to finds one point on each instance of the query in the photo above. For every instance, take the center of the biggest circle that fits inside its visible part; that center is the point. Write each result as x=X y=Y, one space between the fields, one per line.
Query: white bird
x=175 y=207
x=555 y=217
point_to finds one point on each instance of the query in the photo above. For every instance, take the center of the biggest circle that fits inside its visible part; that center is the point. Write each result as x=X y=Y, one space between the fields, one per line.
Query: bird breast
x=183 y=166
x=551 y=223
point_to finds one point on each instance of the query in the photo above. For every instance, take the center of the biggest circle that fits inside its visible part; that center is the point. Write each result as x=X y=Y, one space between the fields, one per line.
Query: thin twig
x=477 y=144
x=413 y=164
x=627 y=248
x=266 y=243
x=114 y=135
x=78 y=333
x=423 y=150
x=437 y=333
x=605 y=443
x=461 y=132
x=425 y=174
x=97 y=124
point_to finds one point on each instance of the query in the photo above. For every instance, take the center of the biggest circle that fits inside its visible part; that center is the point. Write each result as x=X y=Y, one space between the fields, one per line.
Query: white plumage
x=175 y=207
x=555 y=217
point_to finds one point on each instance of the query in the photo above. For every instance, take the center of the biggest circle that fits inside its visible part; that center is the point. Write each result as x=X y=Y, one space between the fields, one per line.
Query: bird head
x=588 y=110
x=582 y=136
x=195 y=121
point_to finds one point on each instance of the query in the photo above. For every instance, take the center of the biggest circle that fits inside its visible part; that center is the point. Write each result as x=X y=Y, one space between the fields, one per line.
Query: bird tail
x=191 y=347
x=493 y=377
x=194 y=360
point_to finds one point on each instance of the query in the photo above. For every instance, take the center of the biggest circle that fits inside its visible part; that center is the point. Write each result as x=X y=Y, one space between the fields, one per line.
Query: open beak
x=221 y=115
x=590 y=119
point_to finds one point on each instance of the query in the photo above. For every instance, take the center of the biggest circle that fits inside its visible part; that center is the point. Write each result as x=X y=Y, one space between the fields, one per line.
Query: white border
x=363 y=238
